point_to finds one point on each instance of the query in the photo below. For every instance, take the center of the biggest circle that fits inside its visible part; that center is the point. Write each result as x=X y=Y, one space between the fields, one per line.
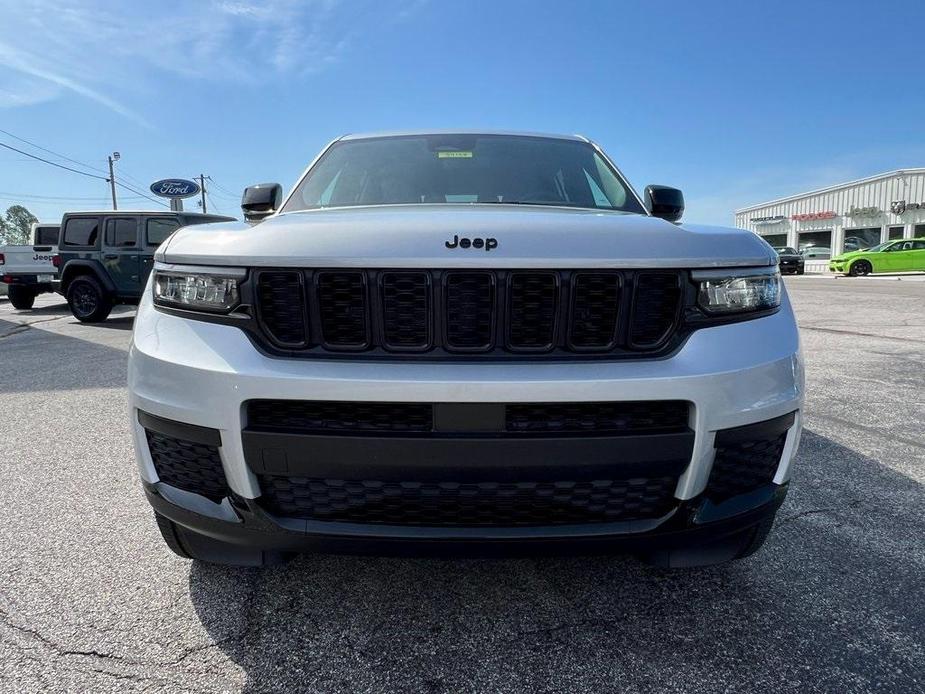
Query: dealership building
x=844 y=217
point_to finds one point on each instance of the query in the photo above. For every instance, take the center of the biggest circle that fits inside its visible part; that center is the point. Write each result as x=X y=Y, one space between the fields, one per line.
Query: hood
x=417 y=236
x=848 y=255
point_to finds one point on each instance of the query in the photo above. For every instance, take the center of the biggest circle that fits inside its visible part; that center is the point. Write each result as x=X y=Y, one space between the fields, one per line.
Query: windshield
x=785 y=251
x=878 y=247
x=490 y=169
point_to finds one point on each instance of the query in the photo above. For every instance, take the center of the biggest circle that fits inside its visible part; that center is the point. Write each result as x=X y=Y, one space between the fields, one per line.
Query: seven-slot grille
x=474 y=312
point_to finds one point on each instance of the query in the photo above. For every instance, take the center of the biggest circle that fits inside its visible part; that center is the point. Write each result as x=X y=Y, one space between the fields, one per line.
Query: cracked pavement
x=91 y=599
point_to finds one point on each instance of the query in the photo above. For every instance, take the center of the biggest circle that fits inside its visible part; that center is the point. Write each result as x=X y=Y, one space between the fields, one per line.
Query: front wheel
x=22 y=298
x=861 y=267
x=87 y=300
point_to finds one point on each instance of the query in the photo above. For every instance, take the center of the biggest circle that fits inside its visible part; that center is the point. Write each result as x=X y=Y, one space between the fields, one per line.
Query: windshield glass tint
x=490 y=169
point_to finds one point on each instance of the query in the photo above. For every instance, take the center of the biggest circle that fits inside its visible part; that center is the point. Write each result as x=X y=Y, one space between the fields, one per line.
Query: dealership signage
x=768 y=220
x=900 y=206
x=175 y=188
x=863 y=212
x=811 y=216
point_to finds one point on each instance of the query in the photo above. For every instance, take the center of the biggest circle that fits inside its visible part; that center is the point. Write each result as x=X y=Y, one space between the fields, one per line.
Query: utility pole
x=114 y=157
x=202 y=190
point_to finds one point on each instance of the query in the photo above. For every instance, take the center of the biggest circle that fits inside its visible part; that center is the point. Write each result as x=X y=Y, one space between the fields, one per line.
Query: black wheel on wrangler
x=22 y=298
x=87 y=299
x=191 y=545
x=861 y=267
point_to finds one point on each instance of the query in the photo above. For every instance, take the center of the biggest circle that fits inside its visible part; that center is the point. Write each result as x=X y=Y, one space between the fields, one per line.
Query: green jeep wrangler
x=105 y=258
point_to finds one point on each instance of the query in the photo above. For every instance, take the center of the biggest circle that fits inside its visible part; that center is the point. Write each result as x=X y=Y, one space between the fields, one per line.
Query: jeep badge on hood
x=487 y=244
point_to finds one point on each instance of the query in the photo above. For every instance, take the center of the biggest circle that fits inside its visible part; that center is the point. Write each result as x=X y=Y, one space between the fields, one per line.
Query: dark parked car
x=105 y=257
x=790 y=261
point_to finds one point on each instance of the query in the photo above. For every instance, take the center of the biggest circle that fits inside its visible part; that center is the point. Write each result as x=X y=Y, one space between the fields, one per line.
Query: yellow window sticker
x=454 y=155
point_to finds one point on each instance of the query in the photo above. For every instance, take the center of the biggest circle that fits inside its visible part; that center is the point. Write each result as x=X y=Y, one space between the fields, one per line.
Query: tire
x=190 y=545
x=87 y=299
x=22 y=298
x=801 y=271
x=860 y=267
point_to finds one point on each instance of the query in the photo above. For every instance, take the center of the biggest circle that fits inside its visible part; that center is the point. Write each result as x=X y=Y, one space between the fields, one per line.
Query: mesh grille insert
x=468 y=504
x=595 y=308
x=657 y=302
x=470 y=303
x=342 y=301
x=307 y=416
x=406 y=309
x=599 y=417
x=194 y=467
x=533 y=302
x=281 y=303
x=739 y=467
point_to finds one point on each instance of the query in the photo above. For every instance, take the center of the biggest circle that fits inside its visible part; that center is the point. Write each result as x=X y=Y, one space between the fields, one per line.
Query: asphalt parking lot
x=91 y=599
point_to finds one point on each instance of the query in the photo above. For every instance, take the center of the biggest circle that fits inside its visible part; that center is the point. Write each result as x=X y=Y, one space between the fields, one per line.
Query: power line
x=122 y=185
x=211 y=202
x=56 y=198
x=235 y=196
x=60 y=166
x=44 y=149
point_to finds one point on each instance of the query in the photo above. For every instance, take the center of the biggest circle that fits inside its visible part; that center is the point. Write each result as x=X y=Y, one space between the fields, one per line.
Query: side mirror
x=665 y=202
x=261 y=200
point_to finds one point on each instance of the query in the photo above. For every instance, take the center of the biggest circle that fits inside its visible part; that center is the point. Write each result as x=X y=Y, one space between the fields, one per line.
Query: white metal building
x=844 y=217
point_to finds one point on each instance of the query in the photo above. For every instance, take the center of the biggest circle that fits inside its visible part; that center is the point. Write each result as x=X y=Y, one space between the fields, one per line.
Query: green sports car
x=904 y=255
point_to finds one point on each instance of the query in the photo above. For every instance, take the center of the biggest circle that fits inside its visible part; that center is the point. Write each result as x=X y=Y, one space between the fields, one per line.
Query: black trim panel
x=180 y=430
x=760 y=430
x=461 y=458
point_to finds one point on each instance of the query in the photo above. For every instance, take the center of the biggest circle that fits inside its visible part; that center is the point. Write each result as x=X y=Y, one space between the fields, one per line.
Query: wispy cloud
x=109 y=52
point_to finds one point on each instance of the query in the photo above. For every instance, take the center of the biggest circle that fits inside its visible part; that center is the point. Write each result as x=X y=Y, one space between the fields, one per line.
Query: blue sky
x=735 y=103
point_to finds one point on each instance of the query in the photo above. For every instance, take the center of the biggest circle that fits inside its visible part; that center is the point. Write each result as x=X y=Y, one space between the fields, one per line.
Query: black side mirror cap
x=261 y=200
x=665 y=202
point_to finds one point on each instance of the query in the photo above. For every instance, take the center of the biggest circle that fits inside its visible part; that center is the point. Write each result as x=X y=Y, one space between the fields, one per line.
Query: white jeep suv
x=464 y=340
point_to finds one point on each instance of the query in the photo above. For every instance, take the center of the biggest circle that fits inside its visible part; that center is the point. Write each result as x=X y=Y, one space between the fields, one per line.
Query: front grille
x=470 y=310
x=594 y=418
x=534 y=300
x=595 y=308
x=281 y=303
x=193 y=467
x=655 y=308
x=599 y=417
x=484 y=313
x=406 y=322
x=342 y=298
x=742 y=466
x=323 y=416
x=468 y=504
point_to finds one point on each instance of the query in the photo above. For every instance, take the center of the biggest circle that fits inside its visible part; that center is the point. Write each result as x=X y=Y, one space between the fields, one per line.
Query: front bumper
x=202 y=374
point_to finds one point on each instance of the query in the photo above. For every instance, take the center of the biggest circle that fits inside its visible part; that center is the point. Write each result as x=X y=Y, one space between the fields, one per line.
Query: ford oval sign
x=175 y=188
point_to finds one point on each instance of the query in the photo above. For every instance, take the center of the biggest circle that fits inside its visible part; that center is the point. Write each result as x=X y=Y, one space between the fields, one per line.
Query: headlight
x=215 y=290
x=732 y=291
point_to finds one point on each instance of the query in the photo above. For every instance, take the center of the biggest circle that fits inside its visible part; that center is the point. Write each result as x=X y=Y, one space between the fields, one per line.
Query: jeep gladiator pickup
x=29 y=270
x=466 y=341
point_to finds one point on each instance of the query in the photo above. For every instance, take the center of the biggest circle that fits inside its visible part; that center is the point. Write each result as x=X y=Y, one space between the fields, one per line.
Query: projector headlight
x=738 y=291
x=209 y=289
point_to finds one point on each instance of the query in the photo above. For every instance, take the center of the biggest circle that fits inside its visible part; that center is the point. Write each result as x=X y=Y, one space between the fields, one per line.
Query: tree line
x=16 y=225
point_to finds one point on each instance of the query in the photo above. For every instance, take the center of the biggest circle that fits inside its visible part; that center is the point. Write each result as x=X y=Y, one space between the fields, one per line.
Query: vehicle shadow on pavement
x=67 y=363
x=831 y=603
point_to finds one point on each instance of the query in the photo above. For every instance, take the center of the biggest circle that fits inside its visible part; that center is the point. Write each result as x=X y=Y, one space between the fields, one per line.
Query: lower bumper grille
x=470 y=504
x=193 y=467
x=747 y=457
x=590 y=418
